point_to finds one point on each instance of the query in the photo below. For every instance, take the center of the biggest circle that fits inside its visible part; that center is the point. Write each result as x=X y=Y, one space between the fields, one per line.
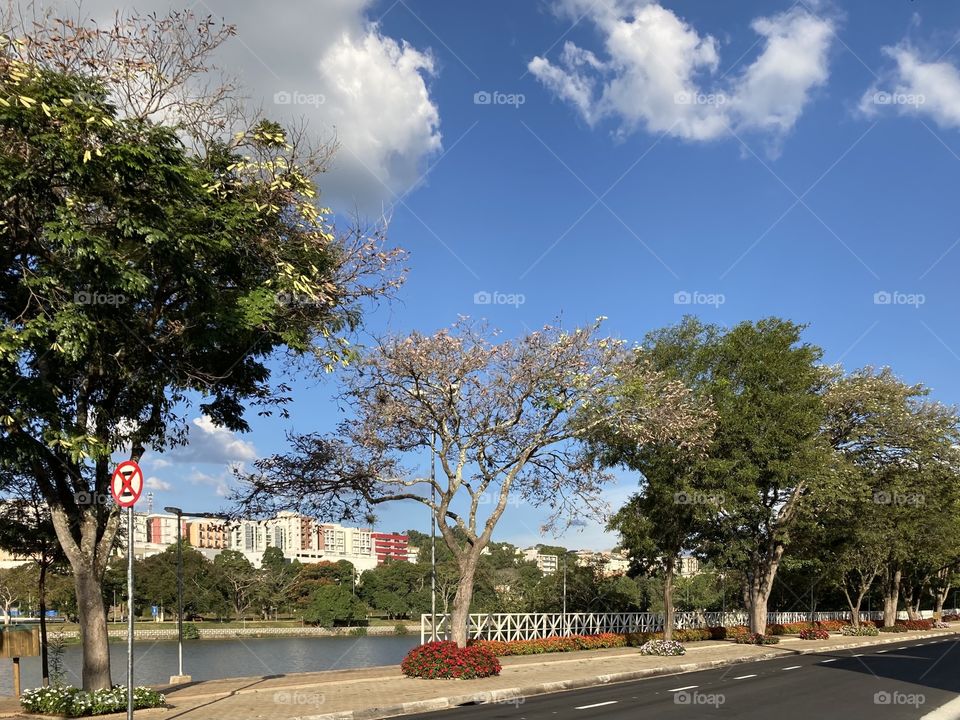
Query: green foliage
x=70 y=701
x=332 y=604
x=190 y=632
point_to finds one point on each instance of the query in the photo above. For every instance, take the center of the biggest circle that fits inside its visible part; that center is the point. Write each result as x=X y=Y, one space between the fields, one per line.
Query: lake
x=156 y=661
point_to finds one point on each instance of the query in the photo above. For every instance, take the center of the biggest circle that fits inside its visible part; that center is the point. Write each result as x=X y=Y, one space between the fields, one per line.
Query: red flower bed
x=814 y=634
x=557 y=643
x=444 y=659
x=916 y=624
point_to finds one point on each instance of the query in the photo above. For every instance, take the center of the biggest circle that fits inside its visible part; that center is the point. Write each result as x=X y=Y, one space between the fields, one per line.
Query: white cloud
x=327 y=63
x=661 y=75
x=155 y=483
x=211 y=444
x=220 y=482
x=930 y=88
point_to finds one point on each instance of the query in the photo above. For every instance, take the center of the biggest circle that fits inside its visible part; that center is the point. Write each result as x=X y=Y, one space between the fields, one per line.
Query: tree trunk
x=940 y=597
x=668 y=609
x=460 y=617
x=42 y=603
x=854 y=606
x=891 y=595
x=93 y=629
x=759 y=588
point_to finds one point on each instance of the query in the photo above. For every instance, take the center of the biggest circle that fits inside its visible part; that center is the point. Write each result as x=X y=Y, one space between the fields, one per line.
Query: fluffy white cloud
x=331 y=65
x=930 y=88
x=155 y=483
x=660 y=74
x=211 y=444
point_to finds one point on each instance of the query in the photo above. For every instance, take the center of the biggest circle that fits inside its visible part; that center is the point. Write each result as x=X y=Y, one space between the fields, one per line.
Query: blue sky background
x=509 y=200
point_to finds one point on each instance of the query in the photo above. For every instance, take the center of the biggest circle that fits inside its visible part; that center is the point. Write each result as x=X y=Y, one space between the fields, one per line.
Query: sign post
x=126 y=484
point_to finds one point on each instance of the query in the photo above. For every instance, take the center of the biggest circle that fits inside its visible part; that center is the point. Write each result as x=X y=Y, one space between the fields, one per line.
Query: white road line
x=830 y=660
x=903 y=648
x=858 y=655
x=685 y=687
x=744 y=677
x=792 y=667
x=882 y=651
x=950 y=711
x=587 y=707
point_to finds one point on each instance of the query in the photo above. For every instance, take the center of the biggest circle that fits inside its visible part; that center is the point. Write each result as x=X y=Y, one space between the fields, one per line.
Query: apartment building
x=208 y=534
x=389 y=546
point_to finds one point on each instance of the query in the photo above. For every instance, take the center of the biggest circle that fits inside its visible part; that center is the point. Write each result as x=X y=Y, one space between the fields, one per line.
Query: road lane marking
x=744 y=677
x=830 y=660
x=903 y=648
x=685 y=687
x=882 y=651
x=587 y=707
x=859 y=655
x=792 y=667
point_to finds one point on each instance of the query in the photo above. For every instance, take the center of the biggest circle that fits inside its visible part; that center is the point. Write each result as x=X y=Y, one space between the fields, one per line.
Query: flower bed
x=444 y=659
x=756 y=639
x=863 y=630
x=559 y=643
x=71 y=701
x=892 y=629
x=662 y=647
x=940 y=624
x=814 y=634
x=916 y=624
x=951 y=617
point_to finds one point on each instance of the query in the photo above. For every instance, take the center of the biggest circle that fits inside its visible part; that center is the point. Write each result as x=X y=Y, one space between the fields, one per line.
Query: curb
x=516 y=695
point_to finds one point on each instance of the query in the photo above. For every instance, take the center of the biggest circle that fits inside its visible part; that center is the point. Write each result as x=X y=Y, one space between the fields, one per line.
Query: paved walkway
x=368 y=693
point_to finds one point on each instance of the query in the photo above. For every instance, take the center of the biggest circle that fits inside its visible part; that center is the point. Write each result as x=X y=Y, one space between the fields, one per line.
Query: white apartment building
x=303 y=539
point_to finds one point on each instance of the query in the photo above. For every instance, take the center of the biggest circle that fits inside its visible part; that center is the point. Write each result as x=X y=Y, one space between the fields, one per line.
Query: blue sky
x=754 y=158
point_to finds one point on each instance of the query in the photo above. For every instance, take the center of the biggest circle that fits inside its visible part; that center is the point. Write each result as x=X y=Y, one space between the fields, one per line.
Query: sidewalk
x=380 y=692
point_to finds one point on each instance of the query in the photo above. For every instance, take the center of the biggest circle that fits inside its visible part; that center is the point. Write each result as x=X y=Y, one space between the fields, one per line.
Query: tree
x=276 y=578
x=900 y=457
x=313 y=575
x=27 y=530
x=395 y=588
x=330 y=604
x=155 y=581
x=504 y=419
x=238 y=578
x=138 y=274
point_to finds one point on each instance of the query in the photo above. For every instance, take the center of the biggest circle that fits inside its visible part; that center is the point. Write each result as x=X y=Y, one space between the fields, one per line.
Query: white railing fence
x=530 y=626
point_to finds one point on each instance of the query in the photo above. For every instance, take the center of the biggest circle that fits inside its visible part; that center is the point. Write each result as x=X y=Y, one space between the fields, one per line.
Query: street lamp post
x=179 y=513
x=433 y=539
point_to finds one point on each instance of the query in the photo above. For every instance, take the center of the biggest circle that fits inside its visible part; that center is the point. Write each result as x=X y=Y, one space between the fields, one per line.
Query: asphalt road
x=908 y=680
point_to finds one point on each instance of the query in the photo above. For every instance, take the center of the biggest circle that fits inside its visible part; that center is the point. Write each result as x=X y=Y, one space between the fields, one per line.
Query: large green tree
x=137 y=274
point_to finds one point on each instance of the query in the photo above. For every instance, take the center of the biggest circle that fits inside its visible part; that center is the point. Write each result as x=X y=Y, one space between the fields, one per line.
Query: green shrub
x=756 y=639
x=358 y=632
x=190 y=632
x=893 y=629
x=71 y=701
x=400 y=629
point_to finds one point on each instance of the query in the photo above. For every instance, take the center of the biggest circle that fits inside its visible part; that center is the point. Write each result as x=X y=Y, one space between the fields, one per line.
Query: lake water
x=155 y=661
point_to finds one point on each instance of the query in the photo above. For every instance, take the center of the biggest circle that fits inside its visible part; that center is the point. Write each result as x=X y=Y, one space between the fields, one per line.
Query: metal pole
x=130 y=613
x=433 y=539
x=179 y=596
x=566 y=626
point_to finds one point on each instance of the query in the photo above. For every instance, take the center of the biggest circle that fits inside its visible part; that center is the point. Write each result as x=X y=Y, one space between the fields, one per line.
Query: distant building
x=548 y=564
x=688 y=566
x=389 y=546
x=208 y=534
